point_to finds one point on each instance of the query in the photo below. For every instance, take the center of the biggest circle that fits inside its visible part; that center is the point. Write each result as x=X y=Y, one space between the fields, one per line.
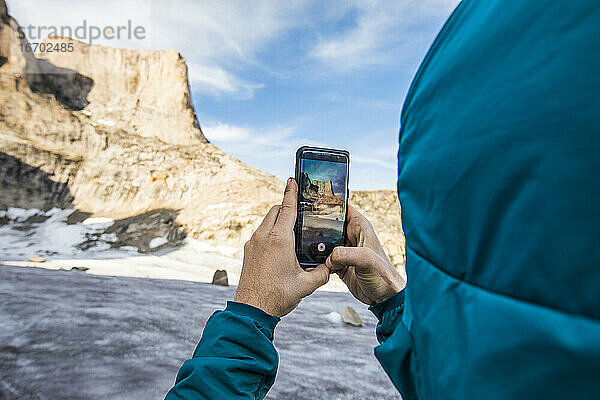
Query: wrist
x=262 y=318
x=263 y=302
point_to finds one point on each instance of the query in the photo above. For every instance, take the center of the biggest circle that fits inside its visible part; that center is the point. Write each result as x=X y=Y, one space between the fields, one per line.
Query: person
x=235 y=357
x=499 y=181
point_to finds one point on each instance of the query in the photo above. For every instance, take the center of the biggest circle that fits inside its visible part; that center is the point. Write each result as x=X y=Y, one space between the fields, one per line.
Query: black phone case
x=298 y=225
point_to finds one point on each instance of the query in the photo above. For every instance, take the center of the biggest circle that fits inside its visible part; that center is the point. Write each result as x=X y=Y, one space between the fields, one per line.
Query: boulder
x=220 y=278
x=351 y=317
x=37 y=259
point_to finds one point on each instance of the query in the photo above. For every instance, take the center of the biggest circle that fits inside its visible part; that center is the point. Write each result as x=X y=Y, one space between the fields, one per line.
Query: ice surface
x=68 y=334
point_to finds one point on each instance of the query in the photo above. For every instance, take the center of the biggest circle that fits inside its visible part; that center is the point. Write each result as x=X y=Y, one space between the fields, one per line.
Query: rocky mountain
x=141 y=92
x=112 y=132
x=319 y=192
x=382 y=208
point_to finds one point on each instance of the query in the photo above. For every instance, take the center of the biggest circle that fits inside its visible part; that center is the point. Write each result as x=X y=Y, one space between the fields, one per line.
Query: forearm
x=235 y=359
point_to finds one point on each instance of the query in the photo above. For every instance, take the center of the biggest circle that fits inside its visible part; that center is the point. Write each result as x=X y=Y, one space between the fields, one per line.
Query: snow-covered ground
x=48 y=234
x=68 y=334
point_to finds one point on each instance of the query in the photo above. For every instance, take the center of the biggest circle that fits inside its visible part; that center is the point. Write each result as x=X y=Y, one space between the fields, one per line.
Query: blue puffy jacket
x=499 y=180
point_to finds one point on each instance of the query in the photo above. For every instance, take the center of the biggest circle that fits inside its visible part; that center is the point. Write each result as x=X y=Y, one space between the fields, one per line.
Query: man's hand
x=271 y=277
x=364 y=267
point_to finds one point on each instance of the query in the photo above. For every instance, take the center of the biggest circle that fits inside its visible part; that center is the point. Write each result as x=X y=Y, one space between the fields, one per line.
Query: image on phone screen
x=322 y=205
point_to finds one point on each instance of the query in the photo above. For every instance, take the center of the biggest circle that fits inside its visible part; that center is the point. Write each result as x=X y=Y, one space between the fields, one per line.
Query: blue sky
x=270 y=76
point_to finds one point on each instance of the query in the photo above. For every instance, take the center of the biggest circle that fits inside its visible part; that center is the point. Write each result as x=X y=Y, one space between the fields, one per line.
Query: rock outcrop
x=319 y=192
x=112 y=132
x=141 y=92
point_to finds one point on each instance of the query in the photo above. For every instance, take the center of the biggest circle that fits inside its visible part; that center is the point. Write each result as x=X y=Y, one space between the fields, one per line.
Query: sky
x=270 y=76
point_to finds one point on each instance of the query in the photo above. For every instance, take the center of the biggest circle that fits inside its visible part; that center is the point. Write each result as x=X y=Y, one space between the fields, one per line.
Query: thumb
x=313 y=279
x=365 y=262
x=362 y=258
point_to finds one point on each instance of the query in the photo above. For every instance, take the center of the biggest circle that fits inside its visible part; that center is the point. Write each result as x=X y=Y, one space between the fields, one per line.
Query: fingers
x=357 y=227
x=287 y=214
x=269 y=221
x=353 y=213
x=313 y=279
x=365 y=261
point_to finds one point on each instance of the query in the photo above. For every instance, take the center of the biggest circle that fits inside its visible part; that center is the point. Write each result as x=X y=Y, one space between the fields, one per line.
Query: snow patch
x=157 y=242
x=53 y=237
x=129 y=249
x=217 y=206
x=21 y=214
x=86 y=112
x=106 y=122
x=204 y=247
x=105 y=221
x=109 y=237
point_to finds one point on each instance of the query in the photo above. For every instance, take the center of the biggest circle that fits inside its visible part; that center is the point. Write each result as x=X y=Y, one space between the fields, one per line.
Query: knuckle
x=336 y=255
x=286 y=207
x=276 y=237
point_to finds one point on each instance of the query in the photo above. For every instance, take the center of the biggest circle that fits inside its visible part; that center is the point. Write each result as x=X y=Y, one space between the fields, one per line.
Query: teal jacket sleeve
x=235 y=359
x=395 y=344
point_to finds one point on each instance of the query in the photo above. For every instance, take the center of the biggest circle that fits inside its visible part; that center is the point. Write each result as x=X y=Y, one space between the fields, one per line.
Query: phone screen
x=322 y=186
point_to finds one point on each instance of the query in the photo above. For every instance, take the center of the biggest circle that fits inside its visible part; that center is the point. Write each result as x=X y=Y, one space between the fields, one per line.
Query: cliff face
x=143 y=92
x=112 y=132
x=319 y=192
x=117 y=139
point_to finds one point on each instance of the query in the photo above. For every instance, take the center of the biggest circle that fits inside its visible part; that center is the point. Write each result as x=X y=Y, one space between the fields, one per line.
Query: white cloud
x=217 y=81
x=270 y=148
x=274 y=138
x=218 y=39
x=374 y=161
x=221 y=132
x=221 y=39
x=381 y=33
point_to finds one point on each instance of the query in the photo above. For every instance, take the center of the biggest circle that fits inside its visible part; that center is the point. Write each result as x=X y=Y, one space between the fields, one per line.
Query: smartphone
x=322 y=177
